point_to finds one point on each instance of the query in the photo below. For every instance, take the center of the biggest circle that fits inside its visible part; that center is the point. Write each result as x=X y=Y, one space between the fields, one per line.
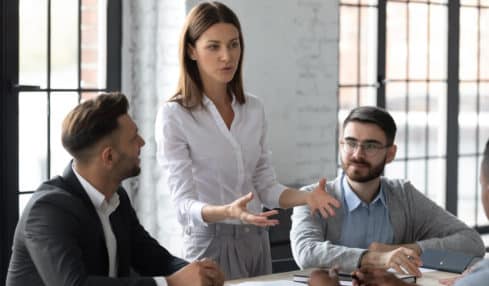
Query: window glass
x=64 y=43
x=32 y=139
x=33 y=42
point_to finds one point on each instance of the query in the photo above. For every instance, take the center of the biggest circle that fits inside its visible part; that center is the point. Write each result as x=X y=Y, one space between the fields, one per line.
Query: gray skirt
x=241 y=250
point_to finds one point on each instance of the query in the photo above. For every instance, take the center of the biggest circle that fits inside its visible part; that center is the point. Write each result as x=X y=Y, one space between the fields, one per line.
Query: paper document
x=270 y=283
x=424 y=270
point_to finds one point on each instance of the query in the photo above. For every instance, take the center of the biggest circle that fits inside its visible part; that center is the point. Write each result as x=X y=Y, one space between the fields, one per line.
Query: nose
x=225 y=55
x=141 y=141
x=358 y=152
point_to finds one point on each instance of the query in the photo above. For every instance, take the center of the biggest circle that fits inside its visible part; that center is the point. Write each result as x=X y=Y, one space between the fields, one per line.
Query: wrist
x=228 y=211
x=361 y=259
x=372 y=259
x=415 y=246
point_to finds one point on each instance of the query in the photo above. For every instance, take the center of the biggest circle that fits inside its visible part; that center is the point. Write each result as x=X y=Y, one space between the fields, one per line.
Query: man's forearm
x=375 y=246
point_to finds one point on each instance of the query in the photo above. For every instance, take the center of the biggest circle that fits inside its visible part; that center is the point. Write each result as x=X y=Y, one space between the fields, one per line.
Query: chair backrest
x=279 y=235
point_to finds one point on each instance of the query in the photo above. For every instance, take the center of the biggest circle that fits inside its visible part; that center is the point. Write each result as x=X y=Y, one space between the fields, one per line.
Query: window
x=474 y=100
x=53 y=53
x=395 y=54
x=63 y=58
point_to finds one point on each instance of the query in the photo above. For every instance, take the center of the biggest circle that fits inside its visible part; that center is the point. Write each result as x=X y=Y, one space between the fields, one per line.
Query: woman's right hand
x=238 y=210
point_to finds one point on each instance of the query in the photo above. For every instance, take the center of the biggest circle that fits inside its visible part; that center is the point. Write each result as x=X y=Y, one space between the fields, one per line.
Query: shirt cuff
x=359 y=263
x=273 y=196
x=160 y=281
x=196 y=214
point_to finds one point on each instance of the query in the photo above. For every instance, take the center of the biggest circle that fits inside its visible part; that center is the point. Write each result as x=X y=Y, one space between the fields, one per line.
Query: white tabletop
x=428 y=278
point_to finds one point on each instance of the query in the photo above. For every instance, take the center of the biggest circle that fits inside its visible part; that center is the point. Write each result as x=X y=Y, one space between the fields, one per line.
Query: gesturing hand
x=238 y=210
x=320 y=200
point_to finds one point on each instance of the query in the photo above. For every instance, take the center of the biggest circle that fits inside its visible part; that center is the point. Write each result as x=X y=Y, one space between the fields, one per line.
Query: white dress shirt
x=104 y=210
x=204 y=162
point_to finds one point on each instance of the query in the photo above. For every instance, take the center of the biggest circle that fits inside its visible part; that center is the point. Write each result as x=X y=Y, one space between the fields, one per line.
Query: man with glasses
x=382 y=223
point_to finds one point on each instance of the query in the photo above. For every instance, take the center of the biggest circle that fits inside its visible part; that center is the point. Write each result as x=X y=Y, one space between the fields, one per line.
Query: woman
x=211 y=144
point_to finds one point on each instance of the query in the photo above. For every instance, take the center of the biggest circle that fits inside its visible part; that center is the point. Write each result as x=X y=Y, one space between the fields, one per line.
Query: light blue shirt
x=364 y=223
x=479 y=275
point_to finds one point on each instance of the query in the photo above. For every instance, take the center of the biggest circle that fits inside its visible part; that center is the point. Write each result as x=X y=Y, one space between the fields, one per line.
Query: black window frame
x=9 y=109
x=453 y=153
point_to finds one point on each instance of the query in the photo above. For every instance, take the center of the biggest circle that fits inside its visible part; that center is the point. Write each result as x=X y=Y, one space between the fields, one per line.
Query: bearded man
x=382 y=223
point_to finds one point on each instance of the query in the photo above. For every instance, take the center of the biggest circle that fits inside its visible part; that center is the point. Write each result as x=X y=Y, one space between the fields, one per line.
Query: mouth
x=360 y=164
x=227 y=69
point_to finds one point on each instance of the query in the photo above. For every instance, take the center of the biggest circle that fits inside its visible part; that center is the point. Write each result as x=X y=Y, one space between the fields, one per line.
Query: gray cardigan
x=413 y=216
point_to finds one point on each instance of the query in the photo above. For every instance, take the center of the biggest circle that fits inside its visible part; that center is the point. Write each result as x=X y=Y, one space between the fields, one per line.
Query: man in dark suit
x=80 y=228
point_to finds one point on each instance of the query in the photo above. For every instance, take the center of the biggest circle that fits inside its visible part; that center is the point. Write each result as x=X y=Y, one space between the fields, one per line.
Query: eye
x=371 y=146
x=351 y=144
x=235 y=44
x=213 y=47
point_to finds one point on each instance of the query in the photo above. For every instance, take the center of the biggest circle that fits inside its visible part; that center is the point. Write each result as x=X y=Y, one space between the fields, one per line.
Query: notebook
x=343 y=276
x=450 y=261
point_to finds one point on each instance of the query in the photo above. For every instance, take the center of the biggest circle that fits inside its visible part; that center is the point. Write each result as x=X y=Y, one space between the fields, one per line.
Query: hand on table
x=324 y=278
x=205 y=272
x=403 y=260
x=376 y=277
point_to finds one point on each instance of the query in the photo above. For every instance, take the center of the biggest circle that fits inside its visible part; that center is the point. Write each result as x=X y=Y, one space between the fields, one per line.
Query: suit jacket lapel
x=118 y=221
x=72 y=185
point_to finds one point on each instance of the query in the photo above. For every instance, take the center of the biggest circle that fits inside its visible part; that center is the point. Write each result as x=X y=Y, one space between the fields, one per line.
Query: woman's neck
x=218 y=94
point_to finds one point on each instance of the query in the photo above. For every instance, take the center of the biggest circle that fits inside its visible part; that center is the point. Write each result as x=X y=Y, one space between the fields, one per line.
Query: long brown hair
x=189 y=92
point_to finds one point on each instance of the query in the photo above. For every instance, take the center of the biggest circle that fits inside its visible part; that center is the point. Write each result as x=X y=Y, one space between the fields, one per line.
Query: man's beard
x=136 y=170
x=129 y=172
x=373 y=172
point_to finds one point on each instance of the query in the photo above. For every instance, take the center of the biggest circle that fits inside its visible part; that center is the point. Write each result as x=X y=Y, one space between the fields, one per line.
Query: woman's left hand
x=320 y=200
x=239 y=210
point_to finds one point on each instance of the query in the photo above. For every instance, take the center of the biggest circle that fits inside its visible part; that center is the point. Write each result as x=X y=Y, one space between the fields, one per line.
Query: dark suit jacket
x=59 y=240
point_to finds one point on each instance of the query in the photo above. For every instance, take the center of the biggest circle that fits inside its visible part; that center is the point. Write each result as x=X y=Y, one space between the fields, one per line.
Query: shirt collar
x=96 y=197
x=206 y=100
x=353 y=201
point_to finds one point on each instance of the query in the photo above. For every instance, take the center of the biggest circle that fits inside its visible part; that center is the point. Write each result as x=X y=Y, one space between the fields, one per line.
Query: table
x=428 y=278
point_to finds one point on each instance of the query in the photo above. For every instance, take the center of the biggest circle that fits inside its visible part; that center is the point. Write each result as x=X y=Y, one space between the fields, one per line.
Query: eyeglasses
x=370 y=148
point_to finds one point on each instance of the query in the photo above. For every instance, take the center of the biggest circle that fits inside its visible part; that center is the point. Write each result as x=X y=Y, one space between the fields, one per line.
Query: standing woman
x=211 y=139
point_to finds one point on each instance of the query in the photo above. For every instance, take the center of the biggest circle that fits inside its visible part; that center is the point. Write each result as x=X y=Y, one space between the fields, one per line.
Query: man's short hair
x=374 y=115
x=91 y=121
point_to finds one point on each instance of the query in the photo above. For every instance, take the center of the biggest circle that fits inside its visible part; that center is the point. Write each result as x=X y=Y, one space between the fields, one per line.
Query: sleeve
x=264 y=178
x=436 y=228
x=149 y=258
x=476 y=278
x=479 y=276
x=160 y=281
x=309 y=246
x=173 y=155
x=51 y=238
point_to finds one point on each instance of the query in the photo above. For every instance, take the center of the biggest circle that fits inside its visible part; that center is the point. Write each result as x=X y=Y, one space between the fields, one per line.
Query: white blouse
x=204 y=162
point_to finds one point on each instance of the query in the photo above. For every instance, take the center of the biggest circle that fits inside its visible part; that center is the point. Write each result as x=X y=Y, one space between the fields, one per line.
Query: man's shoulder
x=402 y=192
x=396 y=186
x=51 y=189
x=54 y=194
